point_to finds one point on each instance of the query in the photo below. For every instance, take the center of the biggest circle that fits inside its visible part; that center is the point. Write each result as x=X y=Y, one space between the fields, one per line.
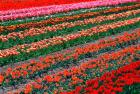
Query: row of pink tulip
x=38 y=11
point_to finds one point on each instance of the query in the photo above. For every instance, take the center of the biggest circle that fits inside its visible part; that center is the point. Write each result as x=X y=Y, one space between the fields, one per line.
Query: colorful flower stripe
x=68 y=44
x=69 y=13
x=11 y=42
x=61 y=39
x=67 y=18
x=113 y=10
x=40 y=18
x=37 y=31
x=32 y=67
x=111 y=82
x=93 y=63
x=57 y=8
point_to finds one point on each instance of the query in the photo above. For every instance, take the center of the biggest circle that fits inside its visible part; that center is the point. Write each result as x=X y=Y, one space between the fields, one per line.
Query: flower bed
x=79 y=48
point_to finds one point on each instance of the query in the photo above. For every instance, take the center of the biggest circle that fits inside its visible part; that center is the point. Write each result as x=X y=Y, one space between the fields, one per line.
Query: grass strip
x=132 y=89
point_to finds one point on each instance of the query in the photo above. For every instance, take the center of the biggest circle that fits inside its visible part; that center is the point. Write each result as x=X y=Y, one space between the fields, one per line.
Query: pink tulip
x=39 y=11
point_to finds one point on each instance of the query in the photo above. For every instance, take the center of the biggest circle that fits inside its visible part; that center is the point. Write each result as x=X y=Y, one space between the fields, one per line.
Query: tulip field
x=69 y=47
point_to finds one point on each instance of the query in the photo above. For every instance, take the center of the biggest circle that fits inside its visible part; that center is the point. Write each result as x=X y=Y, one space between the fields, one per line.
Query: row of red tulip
x=102 y=63
x=54 y=28
x=34 y=66
x=27 y=48
x=22 y=6
x=111 y=82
